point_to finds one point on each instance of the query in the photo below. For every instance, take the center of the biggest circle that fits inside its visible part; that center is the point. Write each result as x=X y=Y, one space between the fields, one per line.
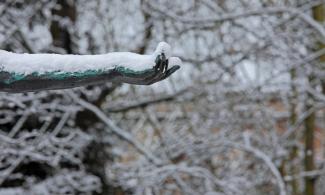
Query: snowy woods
x=244 y=115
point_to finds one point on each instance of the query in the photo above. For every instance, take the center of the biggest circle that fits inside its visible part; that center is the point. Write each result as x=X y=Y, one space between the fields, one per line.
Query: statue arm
x=114 y=67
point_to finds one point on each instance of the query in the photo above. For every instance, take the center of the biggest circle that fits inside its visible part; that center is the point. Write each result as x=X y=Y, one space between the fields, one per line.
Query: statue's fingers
x=158 y=62
x=166 y=66
x=154 y=78
x=163 y=63
x=155 y=73
x=161 y=77
x=170 y=72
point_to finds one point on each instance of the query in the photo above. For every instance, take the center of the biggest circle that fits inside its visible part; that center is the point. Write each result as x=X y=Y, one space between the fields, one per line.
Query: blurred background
x=244 y=114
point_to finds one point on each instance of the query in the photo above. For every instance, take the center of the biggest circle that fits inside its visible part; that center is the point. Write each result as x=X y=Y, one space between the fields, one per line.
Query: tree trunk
x=293 y=167
x=309 y=150
x=318 y=14
x=61 y=36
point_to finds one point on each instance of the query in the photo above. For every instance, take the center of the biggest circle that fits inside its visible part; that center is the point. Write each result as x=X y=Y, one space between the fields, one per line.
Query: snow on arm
x=45 y=63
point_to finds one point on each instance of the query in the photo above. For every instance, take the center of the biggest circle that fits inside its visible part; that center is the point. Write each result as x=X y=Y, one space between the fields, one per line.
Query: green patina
x=127 y=71
x=14 y=77
x=63 y=75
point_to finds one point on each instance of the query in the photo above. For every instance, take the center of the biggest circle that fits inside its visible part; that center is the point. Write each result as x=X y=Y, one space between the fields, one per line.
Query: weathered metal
x=17 y=83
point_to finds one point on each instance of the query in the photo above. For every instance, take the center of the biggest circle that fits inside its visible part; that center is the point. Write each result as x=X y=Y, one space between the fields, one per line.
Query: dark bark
x=61 y=35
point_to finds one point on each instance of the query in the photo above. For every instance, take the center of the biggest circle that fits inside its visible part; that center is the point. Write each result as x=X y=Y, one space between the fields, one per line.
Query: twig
x=123 y=134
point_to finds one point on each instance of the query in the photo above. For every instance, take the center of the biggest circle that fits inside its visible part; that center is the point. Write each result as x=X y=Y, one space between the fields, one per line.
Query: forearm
x=24 y=83
x=14 y=82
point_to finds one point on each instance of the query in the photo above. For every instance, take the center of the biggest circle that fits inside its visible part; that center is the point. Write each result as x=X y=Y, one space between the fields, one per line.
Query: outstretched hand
x=157 y=73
